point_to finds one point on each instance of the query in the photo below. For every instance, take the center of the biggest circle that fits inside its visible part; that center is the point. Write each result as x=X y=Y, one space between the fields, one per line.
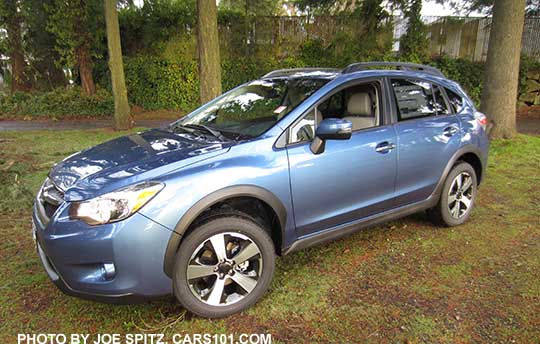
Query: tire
x=237 y=285
x=444 y=213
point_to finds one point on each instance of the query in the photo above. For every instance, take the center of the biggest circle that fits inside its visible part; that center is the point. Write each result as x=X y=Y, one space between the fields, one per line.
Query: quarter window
x=414 y=98
x=304 y=129
x=456 y=101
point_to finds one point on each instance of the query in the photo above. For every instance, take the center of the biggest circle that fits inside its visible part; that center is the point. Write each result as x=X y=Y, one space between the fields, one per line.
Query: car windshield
x=251 y=109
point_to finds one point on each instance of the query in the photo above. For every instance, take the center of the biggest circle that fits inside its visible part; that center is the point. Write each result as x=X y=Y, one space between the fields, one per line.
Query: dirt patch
x=294 y=329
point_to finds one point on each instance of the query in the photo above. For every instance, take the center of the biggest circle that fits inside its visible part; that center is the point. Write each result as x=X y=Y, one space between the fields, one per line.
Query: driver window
x=358 y=104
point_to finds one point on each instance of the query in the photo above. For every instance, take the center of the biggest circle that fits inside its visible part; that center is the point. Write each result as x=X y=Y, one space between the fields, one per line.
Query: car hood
x=129 y=159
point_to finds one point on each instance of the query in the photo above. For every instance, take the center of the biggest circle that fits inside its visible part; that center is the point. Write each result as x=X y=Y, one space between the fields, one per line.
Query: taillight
x=481 y=119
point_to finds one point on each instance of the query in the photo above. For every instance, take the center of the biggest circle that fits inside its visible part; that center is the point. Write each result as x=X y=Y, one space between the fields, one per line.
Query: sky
x=432 y=8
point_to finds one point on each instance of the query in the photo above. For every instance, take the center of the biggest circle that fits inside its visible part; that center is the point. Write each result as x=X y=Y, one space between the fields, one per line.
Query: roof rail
x=355 y=67
x=289 y=71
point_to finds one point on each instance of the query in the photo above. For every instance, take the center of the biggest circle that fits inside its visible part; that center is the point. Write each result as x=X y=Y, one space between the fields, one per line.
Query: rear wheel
x=457 y=196
x=223 y=266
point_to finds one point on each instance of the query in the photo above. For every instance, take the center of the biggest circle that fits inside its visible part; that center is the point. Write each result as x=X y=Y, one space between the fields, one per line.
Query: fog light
x=108 y=271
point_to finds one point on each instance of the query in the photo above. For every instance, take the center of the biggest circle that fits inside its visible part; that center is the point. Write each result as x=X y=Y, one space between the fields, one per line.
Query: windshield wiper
x=216 y=133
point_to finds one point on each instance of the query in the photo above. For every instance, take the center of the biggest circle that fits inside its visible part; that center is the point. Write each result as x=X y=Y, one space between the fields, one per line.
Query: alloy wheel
x=224 y=269
x=460 y=195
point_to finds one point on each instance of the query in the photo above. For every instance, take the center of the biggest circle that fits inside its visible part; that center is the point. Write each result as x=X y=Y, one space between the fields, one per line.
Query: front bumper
x=78 y=257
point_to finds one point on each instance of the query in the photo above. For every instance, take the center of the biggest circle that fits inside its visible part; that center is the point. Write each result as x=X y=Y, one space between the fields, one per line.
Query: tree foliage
x=79 y=28
x=413 y=45
x=11 y=19
x=38 y=45
x=146 y=29
x=326 y=7
x=532 y=7
x=75 y=24
x=253 y=7
x=377 y=27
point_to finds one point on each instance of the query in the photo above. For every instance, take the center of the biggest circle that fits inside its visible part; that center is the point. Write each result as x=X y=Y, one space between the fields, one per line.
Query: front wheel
x=457 y=196
x=223 y=266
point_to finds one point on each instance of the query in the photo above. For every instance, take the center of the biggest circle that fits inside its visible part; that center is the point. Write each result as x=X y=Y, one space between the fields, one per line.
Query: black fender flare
x=229 y=192
x=459 y=153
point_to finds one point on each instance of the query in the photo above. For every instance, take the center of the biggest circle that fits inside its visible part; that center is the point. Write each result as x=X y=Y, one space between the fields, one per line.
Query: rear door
x=428 y=136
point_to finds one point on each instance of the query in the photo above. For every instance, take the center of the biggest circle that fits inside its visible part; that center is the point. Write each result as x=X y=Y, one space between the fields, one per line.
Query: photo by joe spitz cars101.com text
x=201 y=208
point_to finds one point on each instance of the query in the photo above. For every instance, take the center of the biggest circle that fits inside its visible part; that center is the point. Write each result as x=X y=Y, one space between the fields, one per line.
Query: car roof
x=366 y=70
x=332 y=73
x=316 y=73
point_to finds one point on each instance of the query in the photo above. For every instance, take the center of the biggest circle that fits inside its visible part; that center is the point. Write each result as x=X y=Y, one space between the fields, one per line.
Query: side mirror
x=330 y=129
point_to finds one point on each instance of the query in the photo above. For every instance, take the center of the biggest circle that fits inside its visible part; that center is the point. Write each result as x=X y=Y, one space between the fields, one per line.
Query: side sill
x=340 y=231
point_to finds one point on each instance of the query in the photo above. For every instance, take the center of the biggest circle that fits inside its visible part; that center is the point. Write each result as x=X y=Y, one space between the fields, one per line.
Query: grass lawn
x=404 y=281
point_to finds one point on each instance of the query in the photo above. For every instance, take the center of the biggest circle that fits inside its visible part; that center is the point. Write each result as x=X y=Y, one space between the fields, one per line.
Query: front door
x=351 y=179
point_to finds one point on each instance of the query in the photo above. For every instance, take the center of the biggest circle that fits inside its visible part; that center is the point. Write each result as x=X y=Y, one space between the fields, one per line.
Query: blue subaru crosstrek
x=201 y=208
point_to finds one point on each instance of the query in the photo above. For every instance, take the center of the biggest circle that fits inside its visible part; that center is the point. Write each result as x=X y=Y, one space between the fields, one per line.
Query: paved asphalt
x=74 y=124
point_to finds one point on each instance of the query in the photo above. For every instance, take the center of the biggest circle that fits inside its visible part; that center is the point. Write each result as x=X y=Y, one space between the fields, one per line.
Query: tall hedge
x=155 y=83
x=467 y=73
x=60 y=102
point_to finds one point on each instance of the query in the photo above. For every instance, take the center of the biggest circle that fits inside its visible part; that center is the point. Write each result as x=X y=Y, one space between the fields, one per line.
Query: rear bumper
x=115 y=263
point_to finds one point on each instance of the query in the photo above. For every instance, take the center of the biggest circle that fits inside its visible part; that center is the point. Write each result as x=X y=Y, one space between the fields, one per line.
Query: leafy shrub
x=159 y=83
x=529 y=71
x=313 y=52
x=468 y=74
x=59 y=102
x=155 y=83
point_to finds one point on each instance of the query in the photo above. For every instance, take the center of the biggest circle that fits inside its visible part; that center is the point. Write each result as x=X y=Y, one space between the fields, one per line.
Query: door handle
x=450 y=131
x=384 y=147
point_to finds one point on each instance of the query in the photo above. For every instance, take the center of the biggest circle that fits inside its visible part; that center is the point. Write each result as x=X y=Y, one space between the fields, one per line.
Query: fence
x=285 y=35
x=463 y=37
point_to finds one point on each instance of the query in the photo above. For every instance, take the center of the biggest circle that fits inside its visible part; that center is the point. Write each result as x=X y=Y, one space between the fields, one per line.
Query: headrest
x=360 y=105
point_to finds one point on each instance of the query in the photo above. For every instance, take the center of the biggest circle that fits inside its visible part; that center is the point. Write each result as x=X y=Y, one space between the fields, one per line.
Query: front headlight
x=116 y=205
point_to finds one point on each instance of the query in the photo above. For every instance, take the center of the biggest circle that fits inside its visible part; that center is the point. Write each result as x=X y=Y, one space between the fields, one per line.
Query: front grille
x=51 y=197
x=49 y=209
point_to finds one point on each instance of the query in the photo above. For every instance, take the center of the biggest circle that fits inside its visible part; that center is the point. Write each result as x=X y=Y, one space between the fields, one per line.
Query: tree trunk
x=18 y=79
x=84 y=61
x=55 y=75
x=208 y=46
x=15 y=48
x=499 y=94
x=122 y=116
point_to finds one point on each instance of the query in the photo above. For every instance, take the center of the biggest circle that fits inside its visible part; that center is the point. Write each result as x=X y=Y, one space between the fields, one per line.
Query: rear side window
x=456 y=101
x=414 y=98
